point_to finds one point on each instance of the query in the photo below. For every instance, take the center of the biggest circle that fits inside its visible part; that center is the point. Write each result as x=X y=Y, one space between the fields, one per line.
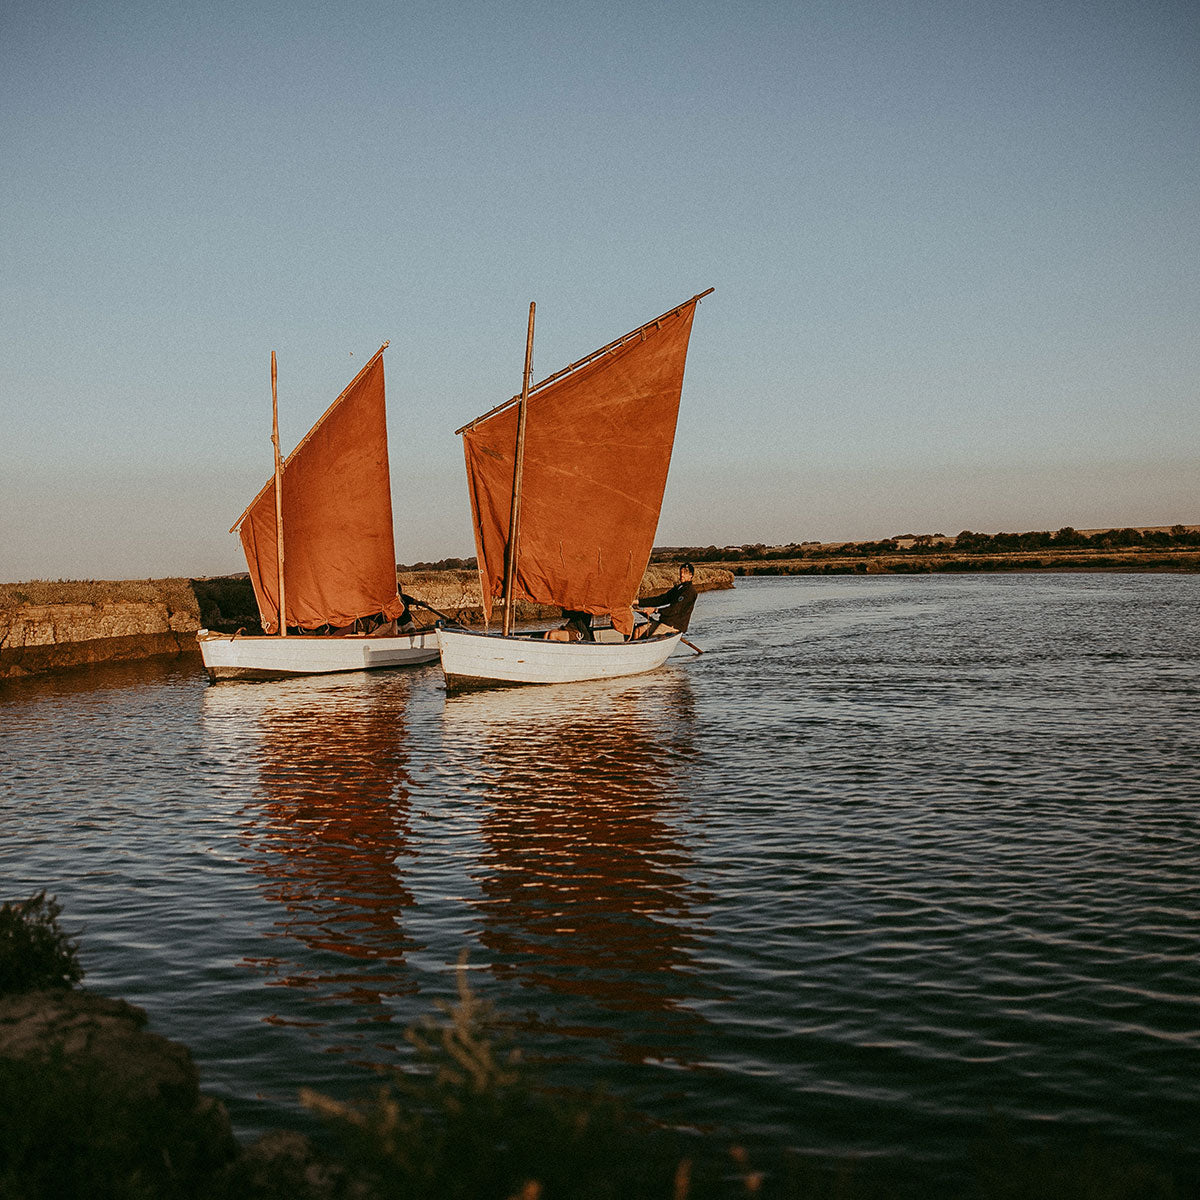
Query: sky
x=955 y=250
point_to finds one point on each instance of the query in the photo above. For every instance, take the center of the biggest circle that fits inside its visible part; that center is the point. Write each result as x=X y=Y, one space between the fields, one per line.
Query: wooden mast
x=514 y=512
x=278 y=495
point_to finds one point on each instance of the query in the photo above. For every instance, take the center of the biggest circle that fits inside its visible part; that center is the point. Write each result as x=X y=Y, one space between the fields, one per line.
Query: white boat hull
x=233 y=657
x=480 y=660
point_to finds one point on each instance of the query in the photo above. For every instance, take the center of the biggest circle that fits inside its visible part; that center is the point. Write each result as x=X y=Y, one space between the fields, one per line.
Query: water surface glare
x=892 y=856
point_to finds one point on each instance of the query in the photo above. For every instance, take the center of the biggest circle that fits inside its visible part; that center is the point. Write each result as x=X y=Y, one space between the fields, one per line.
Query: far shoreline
x=55 y=625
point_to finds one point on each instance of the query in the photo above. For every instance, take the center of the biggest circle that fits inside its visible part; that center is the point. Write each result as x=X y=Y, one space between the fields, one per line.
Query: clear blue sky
x=955 y=250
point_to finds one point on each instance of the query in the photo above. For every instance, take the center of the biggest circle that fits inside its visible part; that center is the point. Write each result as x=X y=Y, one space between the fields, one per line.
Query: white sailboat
x=320 y=549
x=566 y=483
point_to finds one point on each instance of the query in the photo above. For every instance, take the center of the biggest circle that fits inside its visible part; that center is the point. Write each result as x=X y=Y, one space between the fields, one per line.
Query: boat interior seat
x=606 y=635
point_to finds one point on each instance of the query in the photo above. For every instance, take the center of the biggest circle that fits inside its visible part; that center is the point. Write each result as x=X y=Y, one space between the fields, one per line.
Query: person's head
x=686 y=572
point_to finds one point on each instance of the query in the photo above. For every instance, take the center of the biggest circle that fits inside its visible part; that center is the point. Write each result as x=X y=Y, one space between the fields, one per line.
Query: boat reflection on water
x=327 y=821
x=583 y=892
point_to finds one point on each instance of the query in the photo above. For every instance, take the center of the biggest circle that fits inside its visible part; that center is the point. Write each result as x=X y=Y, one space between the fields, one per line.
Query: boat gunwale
x=211 y=635
x=537 y=636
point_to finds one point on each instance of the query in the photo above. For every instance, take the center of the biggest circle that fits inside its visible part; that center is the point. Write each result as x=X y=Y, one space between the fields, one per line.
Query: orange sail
x=598 y=442
x=339 y=550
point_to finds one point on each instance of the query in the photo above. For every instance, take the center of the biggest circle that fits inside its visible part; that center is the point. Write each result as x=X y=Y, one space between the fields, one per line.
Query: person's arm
x=657 y=601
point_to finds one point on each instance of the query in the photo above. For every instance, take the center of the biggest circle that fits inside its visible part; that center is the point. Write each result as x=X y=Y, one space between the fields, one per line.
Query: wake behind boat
x=320 y=549
x=566 y=483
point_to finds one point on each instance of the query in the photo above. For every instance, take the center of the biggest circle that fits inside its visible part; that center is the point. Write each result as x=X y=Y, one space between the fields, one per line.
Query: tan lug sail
x=597 y=446
x=336 y=508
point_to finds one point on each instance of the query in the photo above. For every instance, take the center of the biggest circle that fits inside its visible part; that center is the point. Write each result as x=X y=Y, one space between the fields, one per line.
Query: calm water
x=892 y=856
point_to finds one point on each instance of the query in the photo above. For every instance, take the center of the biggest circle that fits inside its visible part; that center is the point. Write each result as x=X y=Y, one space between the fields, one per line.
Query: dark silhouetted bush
x=34 y=951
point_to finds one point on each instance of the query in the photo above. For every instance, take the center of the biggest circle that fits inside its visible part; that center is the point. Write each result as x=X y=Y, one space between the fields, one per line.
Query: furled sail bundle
x=597 y=447
x=339 y=549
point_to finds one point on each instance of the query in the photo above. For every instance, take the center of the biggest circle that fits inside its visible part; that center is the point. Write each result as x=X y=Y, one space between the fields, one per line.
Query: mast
x=278 y=496
x=514 y=512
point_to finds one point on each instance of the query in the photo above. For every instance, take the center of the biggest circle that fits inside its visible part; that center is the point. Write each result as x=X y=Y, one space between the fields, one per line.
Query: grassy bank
x=226 y=603
x=176 y=594
x=54 y=625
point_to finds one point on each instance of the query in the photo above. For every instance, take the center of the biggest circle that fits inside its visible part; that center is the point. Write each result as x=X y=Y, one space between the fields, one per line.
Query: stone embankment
x=46 y=637
x=47 y=626
x=51 y=626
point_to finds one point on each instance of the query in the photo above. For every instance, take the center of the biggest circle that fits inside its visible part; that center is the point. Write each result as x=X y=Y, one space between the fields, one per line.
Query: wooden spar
x=316 y=425
x=514 y=512
x=278 y=495
x=583 y=361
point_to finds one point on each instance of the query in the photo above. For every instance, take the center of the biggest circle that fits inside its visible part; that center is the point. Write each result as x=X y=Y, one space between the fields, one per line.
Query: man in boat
x=578 y=628
x=673 y=609
x=403 y=624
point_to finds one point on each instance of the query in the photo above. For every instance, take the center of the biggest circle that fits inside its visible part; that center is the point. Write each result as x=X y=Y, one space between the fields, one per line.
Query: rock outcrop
x=85 y=1087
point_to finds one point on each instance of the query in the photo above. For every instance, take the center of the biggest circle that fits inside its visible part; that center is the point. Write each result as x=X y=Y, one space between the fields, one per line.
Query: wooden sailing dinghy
x=319 y=544
x=566 y=484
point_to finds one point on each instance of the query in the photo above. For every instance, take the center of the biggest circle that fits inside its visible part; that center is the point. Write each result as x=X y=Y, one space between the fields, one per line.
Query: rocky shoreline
x=56 y=626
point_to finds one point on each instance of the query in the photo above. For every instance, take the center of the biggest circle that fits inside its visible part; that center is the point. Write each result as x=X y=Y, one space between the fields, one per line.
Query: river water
x=893 y=857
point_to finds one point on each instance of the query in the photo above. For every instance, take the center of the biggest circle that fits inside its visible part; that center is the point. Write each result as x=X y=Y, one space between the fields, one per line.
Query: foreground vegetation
x=467 y=1121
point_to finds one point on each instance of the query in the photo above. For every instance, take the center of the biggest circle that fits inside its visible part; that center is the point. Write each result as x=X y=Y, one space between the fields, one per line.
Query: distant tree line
x=966 y=542
x=1107 y=539
x=916 y=545
x=442 y=564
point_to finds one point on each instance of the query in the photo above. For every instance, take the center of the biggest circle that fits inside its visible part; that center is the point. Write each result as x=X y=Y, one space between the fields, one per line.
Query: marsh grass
x=176 y=594
x=472 y=1123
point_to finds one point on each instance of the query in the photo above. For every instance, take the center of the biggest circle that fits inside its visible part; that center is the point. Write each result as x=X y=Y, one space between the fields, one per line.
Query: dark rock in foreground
x=95 y=1105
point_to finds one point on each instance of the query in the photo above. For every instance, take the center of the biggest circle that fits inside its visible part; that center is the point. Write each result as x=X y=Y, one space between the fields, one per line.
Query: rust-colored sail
x=339 y=551
x=598 y=444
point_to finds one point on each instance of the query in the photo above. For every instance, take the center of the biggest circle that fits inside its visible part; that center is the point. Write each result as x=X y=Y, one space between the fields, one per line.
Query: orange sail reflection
x=585 y=889
x=330 y=820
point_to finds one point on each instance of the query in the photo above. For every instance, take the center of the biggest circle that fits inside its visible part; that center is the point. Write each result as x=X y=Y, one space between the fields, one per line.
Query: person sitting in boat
x=673 y=609
x=403 y=624
x=577 y=629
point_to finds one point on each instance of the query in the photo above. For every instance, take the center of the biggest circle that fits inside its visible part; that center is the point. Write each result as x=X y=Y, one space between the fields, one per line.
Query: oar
x=689 y=645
